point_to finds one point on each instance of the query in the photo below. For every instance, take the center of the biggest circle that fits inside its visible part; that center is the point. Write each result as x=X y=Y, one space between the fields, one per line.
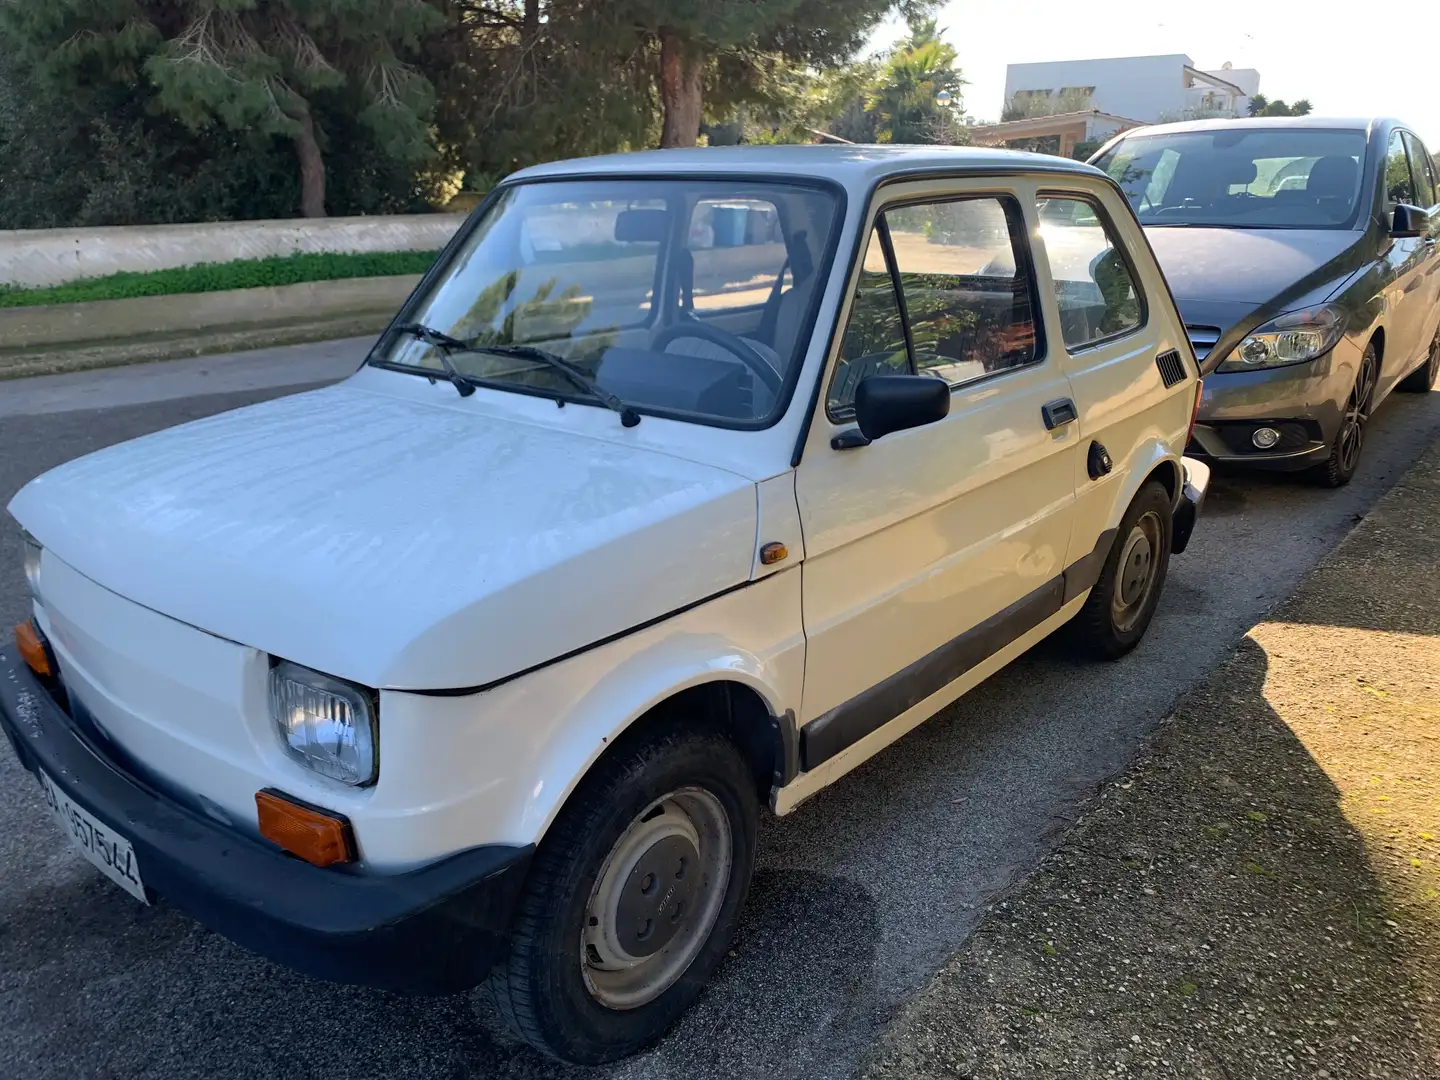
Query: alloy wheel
x=1351 y=439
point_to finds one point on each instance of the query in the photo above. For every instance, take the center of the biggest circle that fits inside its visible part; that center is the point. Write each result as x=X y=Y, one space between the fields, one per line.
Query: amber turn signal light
x=32 y=650
x=314 y=835
x=772 y=553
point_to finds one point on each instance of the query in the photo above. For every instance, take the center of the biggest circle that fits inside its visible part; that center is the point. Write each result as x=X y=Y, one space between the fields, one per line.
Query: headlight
x=1293 y=338
x=327 y=724
x=30 y=547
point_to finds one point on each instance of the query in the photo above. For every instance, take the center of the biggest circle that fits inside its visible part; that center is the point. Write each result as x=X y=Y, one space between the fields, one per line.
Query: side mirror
x=889 y=403
x=1410 y=221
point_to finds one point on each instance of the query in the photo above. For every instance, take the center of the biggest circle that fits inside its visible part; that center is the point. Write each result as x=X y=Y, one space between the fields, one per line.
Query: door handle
x=1058 y=413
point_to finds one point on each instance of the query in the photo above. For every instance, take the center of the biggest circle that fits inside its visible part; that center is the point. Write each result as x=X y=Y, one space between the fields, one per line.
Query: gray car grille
x=1202 y=339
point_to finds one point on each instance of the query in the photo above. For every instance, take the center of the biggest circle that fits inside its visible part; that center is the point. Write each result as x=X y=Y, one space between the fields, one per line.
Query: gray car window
x=1420 y=170
x=1399 y=186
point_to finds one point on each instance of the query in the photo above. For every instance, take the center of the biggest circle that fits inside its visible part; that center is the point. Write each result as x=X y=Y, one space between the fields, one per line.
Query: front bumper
x=435 y=930
x=1189 y=504
x=1304 y=402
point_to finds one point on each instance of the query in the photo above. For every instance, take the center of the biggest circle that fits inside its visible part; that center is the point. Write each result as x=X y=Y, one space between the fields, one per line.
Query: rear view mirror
x=641 y=226
x=1410 y=221
x=889 y=403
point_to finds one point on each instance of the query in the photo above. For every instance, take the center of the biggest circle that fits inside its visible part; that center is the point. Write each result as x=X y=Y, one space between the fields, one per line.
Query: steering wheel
x=737 y=346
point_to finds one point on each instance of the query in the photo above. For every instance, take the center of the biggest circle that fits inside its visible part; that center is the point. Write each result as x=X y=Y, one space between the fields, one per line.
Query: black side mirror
x=889 y=403
x=1410 y=221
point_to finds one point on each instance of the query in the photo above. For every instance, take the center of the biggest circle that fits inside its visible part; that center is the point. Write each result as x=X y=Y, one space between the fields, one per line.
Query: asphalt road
x=859 y=897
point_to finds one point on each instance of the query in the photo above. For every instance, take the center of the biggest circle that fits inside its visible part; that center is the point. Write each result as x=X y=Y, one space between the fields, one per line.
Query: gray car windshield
x=1242 y=177
x=690 y=298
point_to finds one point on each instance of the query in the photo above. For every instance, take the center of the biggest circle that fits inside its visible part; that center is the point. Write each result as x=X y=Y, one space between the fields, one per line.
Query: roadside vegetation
x=216 y=277
x=128 y=112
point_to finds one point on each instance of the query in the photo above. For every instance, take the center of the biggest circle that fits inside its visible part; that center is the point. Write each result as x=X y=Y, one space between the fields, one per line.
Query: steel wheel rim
x=1357 y=412
x=1135 y=572
x=656 y=899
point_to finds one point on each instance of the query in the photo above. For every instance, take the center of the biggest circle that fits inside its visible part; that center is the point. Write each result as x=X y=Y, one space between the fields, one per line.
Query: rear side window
x=947 y=290
x=1095 y=286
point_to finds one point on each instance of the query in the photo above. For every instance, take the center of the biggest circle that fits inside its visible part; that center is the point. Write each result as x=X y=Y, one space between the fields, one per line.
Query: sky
x=1299 y=52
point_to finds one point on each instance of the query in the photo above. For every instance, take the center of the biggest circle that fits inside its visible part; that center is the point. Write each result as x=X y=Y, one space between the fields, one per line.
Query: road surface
x=859 y=896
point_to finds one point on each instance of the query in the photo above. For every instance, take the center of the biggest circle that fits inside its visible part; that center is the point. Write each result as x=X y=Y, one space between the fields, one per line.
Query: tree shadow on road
x=1215 y=915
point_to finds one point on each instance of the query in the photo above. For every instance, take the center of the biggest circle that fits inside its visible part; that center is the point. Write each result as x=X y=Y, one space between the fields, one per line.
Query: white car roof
x=857 y=168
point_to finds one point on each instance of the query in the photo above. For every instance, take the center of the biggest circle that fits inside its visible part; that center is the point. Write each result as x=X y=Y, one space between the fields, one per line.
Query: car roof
x=856 y=167
x=1262 y=123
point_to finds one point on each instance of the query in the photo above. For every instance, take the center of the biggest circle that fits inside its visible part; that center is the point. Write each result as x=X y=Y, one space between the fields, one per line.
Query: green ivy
x=216 y=277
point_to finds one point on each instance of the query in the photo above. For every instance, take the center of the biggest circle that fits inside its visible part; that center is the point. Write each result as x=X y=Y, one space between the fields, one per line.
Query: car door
x=931 y=549
x=1406 y=295
x=1111 y=331
x=1427 y=191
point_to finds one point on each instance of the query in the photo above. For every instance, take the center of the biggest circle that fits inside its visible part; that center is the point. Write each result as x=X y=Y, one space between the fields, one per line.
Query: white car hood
x=394 y=543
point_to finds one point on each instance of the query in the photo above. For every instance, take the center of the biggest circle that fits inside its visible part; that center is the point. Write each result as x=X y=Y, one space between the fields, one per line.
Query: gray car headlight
x=1293 y=338
x=31 y=550
x=328 y=725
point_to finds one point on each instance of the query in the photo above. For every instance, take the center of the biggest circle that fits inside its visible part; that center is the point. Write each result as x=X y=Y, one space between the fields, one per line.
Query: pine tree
x=250 y=65
x=739 y=37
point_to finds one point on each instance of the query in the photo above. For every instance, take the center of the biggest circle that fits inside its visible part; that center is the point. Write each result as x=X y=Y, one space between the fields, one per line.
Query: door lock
x=1098 y=462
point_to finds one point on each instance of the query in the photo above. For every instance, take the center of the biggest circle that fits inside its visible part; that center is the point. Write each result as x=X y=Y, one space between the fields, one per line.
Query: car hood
x=1253 y=267
x=394 y=543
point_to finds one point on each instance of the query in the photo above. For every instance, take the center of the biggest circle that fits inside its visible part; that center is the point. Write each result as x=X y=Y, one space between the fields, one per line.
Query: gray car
x=1302 y=254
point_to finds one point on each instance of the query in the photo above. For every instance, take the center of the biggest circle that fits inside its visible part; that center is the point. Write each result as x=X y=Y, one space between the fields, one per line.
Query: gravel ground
x=859 y=897
x=1257 y=897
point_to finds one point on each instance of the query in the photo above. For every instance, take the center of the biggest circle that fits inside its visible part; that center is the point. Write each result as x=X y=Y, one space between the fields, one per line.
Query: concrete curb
x=106 y=333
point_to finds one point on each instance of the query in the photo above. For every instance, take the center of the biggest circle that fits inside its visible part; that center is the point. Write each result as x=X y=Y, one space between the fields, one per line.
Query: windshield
x=689 y=298
x=1295 y=178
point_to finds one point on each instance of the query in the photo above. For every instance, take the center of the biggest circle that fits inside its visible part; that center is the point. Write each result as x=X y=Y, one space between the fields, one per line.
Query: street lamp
x=943 y=99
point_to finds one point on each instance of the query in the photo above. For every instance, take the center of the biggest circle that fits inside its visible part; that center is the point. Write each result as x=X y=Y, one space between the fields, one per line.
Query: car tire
x=1337 y=469
x=1123 y=599
x=1422 y=379
x=598 y=896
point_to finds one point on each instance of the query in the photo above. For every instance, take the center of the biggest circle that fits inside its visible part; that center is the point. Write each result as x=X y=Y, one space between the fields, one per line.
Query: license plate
x=110 y=852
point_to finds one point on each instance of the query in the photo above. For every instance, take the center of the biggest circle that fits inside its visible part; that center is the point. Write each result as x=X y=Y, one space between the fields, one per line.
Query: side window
x=738 y=252
x=1420 y=169
x=965 y=280
x=1095 y=287
x=874 y=341
x=1399 y=188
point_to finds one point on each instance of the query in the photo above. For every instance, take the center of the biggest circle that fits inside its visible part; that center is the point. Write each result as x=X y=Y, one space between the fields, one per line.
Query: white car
x=685 y=482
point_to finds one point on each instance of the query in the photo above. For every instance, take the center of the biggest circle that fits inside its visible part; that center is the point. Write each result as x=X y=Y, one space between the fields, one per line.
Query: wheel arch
x=737 y=705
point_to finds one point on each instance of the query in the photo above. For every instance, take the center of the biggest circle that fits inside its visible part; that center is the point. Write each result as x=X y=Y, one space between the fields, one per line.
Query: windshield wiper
x=444 y=345
x=628 y=416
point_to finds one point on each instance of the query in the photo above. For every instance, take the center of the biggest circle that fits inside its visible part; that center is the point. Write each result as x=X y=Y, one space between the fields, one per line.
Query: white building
x=1143 y=88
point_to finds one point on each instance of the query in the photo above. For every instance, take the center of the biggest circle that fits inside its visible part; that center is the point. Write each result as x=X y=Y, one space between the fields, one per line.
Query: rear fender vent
x=1172 y=368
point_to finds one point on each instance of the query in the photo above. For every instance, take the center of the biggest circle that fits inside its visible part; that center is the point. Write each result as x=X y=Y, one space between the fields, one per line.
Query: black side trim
x=463 y=691
x=787 y=758
x=1085 y=571
x=872 y=709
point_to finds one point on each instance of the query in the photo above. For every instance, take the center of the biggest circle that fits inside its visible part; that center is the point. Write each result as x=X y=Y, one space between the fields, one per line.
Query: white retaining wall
x=39 y=257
